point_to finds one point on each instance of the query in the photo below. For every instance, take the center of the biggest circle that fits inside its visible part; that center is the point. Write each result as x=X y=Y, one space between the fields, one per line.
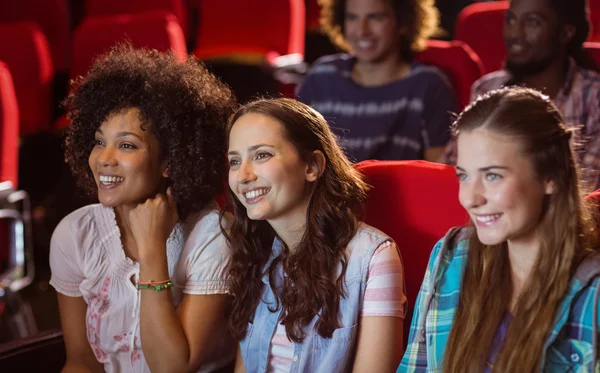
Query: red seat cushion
x=415 y=203
x=250 y=27
x=158 y=30
x=460 y=64
x=9 y=128
x=25 y=50
x=481 y=26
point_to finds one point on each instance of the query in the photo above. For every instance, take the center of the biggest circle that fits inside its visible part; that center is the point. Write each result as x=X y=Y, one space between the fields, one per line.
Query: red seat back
x=460 y=64
x=95 y=8
x=313 y=15
x=24 y=48
x=53 y=18
x=9 y=128
x=416 y=203
x=264 y=27
x=96 y=35
x=594 y=7
x=481 y=26
x=594 y=51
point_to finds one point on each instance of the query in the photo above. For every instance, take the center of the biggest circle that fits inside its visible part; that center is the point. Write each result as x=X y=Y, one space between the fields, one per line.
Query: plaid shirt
x=579 y=102
x=572 y=345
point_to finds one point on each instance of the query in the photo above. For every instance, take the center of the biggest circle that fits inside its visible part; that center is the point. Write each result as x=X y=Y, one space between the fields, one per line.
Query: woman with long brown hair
x=314 y=289
x=518 y=292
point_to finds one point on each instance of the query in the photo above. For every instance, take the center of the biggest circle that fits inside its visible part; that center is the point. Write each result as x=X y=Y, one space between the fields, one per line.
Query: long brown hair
x=313 y=266
x=535 y=123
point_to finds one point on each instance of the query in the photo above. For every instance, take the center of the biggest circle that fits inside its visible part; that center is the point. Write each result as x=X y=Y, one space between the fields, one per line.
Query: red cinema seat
x=53 y=18
x=96 y=35
x=267 y=28
x=9 y=128
x=481 y=26
x=25 y=50
x=594 y=8
x=415 y=203
x=313 y=15
x=95 y=8
x=594 y=51
x=460 y=64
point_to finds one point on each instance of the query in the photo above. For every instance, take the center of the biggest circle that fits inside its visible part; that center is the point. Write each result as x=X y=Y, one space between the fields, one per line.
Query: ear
x=567 y=33
x=549 y=187
x=316 y=166
x=165 y=170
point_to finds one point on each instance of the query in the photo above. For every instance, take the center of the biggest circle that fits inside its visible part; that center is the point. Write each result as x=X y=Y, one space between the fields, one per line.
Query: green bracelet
x=155 y=287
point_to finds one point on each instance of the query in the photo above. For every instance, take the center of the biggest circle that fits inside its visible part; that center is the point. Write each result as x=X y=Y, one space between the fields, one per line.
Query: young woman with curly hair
x=517 y=291
x=314 y=289
x=141 y=276
x=384 y=104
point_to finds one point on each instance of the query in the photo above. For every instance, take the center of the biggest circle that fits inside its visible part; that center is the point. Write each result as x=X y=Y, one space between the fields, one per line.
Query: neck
x=550 y=81
x=522 y=258
x=291 y=228
x=371 y=74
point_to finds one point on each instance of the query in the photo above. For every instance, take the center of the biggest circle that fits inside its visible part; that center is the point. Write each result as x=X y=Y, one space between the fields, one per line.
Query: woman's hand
x=153 y=221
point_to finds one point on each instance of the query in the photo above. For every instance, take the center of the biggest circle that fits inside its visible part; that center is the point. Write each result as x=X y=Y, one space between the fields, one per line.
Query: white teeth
x=487 y=218
x=110 y=179
x=256 y=193
x=516 y=48
x=363 y=44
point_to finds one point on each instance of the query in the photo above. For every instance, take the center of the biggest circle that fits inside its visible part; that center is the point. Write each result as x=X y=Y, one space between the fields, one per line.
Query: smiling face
x=371 y=29
x=267 y=173
x=499 y=188
x=532 y=36
x=126 y=160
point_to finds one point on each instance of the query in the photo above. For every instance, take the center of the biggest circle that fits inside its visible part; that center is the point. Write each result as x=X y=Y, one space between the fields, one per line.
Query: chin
x=255 y=215
x=490 y=238
x=108 y=203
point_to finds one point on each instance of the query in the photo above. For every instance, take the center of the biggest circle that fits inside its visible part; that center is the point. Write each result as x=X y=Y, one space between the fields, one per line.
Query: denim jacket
x=315 y=354
x=571 y=345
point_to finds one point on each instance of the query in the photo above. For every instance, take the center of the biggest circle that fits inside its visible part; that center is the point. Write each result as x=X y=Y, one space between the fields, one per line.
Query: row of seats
x=27 y=54
x=273 y=25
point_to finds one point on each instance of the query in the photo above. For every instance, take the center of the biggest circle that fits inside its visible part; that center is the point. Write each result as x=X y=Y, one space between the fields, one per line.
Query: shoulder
x=588 y=81
x=491 y=81
x=428 y=73
x=452 y=249
x=364 y=243
x=81 y=222
x=331 y=64
x=203 y=233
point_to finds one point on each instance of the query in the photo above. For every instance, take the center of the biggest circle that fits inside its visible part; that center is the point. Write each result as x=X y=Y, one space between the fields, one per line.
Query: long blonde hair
x=566 y=230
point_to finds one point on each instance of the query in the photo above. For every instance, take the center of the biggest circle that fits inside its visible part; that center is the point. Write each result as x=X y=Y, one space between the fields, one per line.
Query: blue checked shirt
x=572 y=345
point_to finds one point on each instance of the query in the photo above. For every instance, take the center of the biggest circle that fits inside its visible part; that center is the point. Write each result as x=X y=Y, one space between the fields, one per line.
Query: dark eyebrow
x=123 y=134
x=485 y=169
x=251 y=148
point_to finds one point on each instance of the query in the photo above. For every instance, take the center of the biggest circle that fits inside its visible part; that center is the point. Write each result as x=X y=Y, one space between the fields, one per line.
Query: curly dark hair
x=421 y=17
x=313 y=266
x=187 y=106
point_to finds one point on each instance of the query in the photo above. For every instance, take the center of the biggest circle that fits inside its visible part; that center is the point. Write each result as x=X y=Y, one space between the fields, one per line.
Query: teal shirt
x=572 y=345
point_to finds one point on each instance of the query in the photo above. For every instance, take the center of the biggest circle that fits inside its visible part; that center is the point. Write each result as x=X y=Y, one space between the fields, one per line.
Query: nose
x=363 y=27
x=107 y=157
x=514 y=30
x=245 y=173
x=472 y=194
